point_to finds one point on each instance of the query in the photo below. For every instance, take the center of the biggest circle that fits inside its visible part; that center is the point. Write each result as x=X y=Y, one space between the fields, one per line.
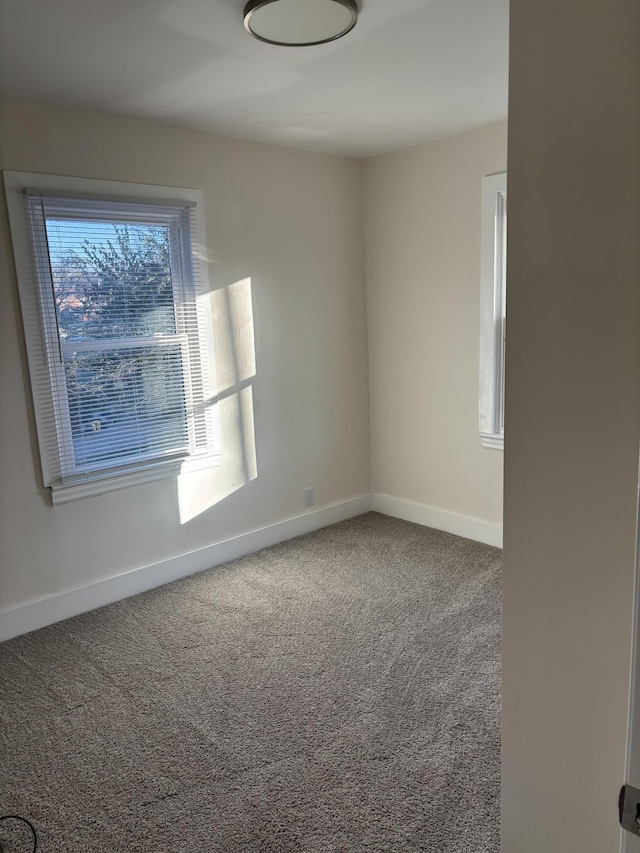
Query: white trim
x=493 y=442
x=52 y=417
x=52 y=608
x=104 y=481
x=492 y=307
x=440 y=519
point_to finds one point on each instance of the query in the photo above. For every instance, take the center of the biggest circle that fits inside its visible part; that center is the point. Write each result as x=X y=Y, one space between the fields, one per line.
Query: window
x=493 y=305
x=118 y=339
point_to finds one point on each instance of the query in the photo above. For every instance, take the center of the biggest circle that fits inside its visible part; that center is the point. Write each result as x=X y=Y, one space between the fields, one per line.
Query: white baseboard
x=451 y=522
x=52 y=608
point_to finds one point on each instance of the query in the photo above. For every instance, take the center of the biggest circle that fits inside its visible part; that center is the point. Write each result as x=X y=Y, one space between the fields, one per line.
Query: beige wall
x=572 y=420
x=288 y=220
x=422 y=239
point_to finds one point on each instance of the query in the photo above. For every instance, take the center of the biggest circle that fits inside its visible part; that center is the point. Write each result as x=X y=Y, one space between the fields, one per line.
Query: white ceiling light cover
x=297 y=23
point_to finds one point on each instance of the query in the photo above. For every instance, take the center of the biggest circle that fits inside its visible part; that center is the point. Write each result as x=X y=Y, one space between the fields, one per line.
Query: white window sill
x=492 y=441
x=99 y=484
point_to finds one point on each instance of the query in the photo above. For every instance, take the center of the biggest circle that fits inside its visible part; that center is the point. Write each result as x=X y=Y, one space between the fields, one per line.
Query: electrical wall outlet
x=307 y=496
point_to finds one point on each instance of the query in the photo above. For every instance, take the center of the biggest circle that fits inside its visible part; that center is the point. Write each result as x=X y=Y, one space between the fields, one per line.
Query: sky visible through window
x=69 y=235
x=112 y=282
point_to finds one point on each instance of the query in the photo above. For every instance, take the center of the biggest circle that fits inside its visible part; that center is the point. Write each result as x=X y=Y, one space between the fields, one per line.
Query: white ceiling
x=410 y=71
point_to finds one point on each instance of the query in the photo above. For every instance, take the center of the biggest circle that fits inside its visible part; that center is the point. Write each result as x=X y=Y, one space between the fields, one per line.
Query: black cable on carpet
x=29 y=824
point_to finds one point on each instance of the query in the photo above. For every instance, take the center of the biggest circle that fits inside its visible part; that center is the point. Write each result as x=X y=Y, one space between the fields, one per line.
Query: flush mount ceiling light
x=299 y=23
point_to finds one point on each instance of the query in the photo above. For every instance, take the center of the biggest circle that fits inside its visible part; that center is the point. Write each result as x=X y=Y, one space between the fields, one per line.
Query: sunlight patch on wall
x=233 y=334
x=231 y=311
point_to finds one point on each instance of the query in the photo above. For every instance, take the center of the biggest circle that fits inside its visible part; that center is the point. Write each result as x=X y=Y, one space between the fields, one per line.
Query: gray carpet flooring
x=337 y=692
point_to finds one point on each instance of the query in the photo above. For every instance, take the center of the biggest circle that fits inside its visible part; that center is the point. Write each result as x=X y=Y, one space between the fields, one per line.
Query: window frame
x=38 y=308
x=493 y=320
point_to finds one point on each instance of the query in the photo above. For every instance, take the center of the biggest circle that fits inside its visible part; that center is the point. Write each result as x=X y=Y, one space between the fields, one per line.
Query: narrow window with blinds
x=493 y=310
x=124 y=388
